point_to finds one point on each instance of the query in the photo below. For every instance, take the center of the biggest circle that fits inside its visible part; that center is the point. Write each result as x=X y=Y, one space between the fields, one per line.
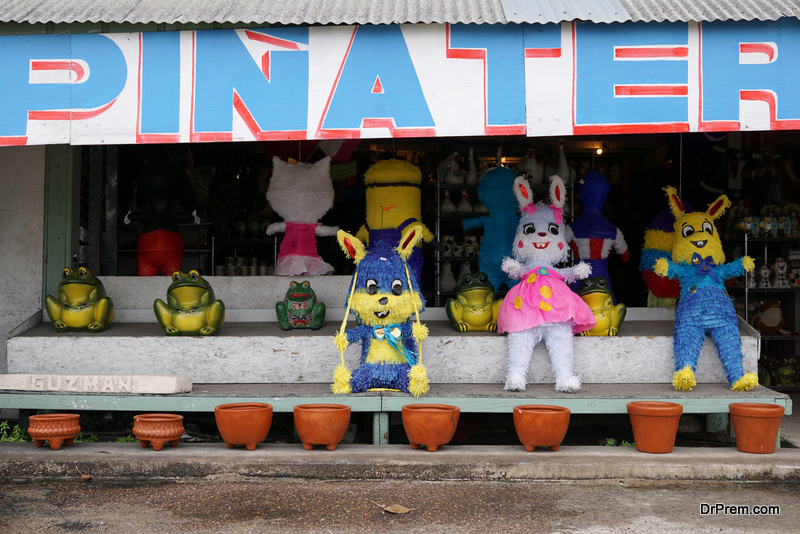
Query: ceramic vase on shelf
x=447 y=205
x=243 y=423
x=655 y=425
x=321 y=424
x=756 y=426
x=541 y=425
x=472 y=174
x=431 y=425
x=158 y=429
x=464 y=205
x=447 y=281
x=465 y=269
x=55 y=428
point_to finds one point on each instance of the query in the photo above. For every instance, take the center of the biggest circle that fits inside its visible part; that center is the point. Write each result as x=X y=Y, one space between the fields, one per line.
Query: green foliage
x=15 y=434
x=126 y=439
x=88 y=439
x=611 y=442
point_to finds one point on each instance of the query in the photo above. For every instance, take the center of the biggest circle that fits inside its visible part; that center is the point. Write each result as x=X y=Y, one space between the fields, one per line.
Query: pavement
x=129 y=461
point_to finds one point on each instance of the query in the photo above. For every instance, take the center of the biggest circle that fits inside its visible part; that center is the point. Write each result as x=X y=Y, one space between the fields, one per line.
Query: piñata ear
x=675 y=204
x=352 y=247
x=522 y=190
x=558 y=193
x=409 y=238
x=718 y=207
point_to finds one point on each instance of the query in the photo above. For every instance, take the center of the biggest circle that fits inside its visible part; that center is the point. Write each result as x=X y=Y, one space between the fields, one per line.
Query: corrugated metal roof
x=544 y=11
x=709 y=10
x=389 y=11
x=255 y=11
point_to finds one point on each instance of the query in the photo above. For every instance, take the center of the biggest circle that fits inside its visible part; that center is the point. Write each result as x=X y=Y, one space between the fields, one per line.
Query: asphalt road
x=234 y=504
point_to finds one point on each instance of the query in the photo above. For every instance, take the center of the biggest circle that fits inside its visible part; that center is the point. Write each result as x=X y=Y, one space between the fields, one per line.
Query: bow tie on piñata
x=705 y=266
x=392 y=334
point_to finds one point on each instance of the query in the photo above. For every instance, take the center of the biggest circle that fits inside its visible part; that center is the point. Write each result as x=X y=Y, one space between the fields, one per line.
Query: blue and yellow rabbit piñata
x=385 y=299
x=704 y=307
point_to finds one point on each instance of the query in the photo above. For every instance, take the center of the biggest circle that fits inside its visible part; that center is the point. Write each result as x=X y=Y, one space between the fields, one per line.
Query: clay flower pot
x=54 y=428
x=432 y=425
x=243 y=423
x=541 y=425
x=321 y=424
x=756 y=426
x=158 y=428
x=655 y=425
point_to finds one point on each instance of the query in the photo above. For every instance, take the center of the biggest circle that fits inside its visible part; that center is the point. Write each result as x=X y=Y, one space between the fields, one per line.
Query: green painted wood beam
x=170 y=403
x=576 y=405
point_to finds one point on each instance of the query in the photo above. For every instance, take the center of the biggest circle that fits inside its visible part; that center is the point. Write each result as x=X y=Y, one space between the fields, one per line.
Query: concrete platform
x=260 y=352
x=129 y=461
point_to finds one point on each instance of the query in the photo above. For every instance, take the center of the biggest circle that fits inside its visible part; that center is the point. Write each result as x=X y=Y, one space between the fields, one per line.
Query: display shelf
x=789 y=337
x=770 y=290
x=777 y=239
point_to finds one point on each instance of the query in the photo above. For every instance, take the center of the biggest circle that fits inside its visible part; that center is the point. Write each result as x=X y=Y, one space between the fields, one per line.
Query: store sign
x=414 y=80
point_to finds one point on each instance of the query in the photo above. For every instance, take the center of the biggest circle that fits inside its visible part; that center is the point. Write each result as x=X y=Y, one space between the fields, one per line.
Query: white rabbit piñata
x=541 y=305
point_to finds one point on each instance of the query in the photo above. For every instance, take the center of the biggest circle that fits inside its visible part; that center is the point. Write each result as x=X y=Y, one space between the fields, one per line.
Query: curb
x=124 y=462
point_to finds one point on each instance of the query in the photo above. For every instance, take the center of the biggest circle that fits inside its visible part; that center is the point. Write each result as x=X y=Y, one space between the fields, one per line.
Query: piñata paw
x=418 y=381
x=419 y=331
x=661 y=267
x=748 y=263
x=515 y=382
x=569 y=385
x=684 y=380
x=746 y=383
x=341 y=381
x=340 y=341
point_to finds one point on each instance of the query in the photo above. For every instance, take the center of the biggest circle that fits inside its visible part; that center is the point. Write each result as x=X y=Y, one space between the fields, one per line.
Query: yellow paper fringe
x=418 y=380
x=659 y=239
x=683 y=380
x=746 y=383
x=661 y=268
x=419 y=331
x=340 y=341
x=341 y=380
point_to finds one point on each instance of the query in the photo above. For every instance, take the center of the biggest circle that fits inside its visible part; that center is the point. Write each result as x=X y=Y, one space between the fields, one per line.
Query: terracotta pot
x=756 y=426
x=321 y=424
x=655 y=425
x=541 y=425
x=158 y=428
x=243 y=423
x=432 y=425
x=54 y=428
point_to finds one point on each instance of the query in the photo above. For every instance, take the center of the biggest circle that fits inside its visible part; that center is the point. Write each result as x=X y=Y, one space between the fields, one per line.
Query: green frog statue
x=191 y=308
x=299 y=308
x=474 y=309
x=82 y=304
x=595 y=292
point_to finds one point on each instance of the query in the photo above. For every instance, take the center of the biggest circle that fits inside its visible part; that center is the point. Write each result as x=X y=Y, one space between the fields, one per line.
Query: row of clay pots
x=654 y=423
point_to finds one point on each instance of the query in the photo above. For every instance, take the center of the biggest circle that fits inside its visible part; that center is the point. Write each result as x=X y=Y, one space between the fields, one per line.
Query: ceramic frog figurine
x=191 y=308
x=595 y=292
x=474 y=309
x=300 y=308
x=82 y=303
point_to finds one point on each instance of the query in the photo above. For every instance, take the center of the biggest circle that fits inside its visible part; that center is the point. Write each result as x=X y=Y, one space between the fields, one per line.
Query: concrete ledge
x=83 y=383
x=251 y=352
x=127 y=461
